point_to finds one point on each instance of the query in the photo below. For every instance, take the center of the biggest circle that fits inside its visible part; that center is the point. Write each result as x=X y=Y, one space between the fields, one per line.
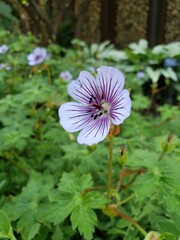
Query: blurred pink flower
x=4 y=66
x=37 y=56
x=3 y=48
x=67 y=76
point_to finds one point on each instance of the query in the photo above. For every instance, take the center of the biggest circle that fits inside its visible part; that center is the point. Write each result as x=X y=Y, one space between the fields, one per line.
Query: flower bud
x=110 y=210
x=166 y=146
x=123 y=156
x=152 y=236
x=91 y=148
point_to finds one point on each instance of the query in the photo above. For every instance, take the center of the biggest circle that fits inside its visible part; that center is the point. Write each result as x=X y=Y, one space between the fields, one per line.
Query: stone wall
x=172 y=27
x=131 y=21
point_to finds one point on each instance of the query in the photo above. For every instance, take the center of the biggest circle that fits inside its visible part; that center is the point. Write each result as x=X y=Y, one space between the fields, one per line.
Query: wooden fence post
x=156 y=22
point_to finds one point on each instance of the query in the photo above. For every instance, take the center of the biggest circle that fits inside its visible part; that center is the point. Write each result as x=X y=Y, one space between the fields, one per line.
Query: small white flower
x=67 y=76
x=3 y=49
x=37 y=56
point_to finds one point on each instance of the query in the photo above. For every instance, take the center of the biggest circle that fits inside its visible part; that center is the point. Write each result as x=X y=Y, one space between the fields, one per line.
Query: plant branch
x=126 y=200
x=129 y=219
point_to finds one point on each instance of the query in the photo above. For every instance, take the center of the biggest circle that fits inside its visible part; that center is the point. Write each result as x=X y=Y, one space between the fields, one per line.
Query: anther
x=93 y=98
x=97 y=115
x=90 y=100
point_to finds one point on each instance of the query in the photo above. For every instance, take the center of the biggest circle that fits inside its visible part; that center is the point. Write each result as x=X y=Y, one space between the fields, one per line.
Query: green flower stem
x=126 y=200
x=140 y=229
x=110 y=169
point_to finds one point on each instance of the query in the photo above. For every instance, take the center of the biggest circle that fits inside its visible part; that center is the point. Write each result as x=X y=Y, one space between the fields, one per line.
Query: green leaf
x=84 y=219
x=77 y=200
x=4 y=222
x=5 y=227
x=34 y=229
x=94 y=200
x=71 y=183
x=176 y=219
x=167 y=236
x=57 y=212
x=26 y=206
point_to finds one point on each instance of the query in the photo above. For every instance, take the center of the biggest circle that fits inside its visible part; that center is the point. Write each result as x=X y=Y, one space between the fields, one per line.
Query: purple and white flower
x=101 y=102
x=37 y=56
x=3 y=48
x=4 y=66
x=67 y=76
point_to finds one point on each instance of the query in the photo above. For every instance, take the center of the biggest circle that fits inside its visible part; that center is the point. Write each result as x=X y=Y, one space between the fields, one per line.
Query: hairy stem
x=109 y=169
x=129 y=219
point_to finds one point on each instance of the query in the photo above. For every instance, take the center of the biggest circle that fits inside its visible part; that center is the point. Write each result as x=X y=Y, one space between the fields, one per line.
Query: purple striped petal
x=111 y=82
x=84 y=89
x=74 y=116
x=95 y=132
x=120 y=108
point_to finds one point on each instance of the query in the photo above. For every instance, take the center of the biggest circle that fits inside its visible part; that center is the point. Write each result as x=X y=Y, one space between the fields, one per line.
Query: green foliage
x=73 y=200
x=7 y=20
x=5 y=227
x=167 y=236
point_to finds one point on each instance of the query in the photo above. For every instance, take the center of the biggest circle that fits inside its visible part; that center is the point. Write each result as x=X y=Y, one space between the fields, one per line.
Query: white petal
x=32 y=63
x=95 y=132
x=85 y=89
x=37 y=51
x=111 y=82
x=31 y=57
x=74 y=116
x=120 y=108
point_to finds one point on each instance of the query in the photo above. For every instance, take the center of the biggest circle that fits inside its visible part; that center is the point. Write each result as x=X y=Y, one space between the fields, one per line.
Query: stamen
x=92 y=97
x=97 y=115
x=90 y=100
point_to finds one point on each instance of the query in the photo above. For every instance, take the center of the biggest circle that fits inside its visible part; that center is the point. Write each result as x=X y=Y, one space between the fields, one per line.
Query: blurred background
x=120 y=21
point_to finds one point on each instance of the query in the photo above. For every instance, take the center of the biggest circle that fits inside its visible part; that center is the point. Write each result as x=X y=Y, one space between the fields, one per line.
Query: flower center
x=105 y=106
x=100 y=108
x=38 y=57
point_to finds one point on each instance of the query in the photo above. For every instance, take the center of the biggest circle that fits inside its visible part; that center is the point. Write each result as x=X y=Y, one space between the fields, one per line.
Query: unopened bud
x=166 y=146
x=91 y=148
x=71 y=137
x=169 y=137
x=110 y=211
x=152 y=236
x=123 y=156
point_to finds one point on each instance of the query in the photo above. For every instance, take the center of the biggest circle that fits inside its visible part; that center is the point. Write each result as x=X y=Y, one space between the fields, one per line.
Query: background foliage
x=53 y=188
